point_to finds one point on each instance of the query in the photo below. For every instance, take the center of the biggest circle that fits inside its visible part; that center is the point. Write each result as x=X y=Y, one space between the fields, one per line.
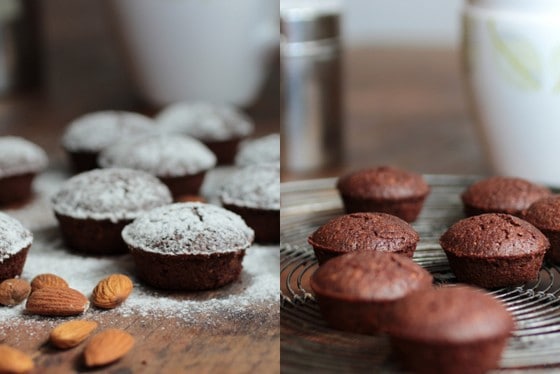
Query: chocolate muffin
x=494 y=250
x=544 y=214
x=363 y=232
x=384 y=189
x=501 y=195
x=263 y=150
x=356 y=291
x=89 y=134
x=220 y=127
x=92 y=208
x=450 y=330
x=15 y=241
x=253 y=192
x=20 y=161
x=188 y=246
x=178 y=161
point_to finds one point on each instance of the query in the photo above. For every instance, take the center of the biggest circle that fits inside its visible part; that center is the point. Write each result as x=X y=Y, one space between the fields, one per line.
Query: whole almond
x=110 y=292
x=14 y=361
x=14 y=291
x=70 y=334
x=51 y=301
x=48 y=280
x=107 y=346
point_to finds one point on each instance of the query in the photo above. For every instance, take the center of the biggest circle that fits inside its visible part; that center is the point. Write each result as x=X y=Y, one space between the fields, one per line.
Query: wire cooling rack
x=308 y=344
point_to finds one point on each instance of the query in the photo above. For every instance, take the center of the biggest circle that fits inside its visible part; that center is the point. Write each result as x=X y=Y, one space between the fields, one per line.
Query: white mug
x=203 y=50
x=511 y=51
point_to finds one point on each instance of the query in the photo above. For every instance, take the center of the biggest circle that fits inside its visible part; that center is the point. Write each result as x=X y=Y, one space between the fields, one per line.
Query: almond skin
x=70 y=334
x=110 y=292
x=14 y=291
x=48 y=280
x=14 y=361
x=107 y=346
x=51 y=301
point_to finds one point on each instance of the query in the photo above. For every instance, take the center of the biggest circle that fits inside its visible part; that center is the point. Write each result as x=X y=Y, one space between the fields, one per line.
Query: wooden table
x=83 y=72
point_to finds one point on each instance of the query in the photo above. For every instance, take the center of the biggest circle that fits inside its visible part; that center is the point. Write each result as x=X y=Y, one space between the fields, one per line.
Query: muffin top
x=19 y=156
x=503 y=195
x=255 y=186
x=458 y=314
x=13 y=237
x=369 y=276
x=259 y=151
x=188 y=228
x=95 y=131
x=544 y=213
x=205 y=121
x=383 y=183
x=112 y=194
x=163 y=155
x=364 y=231
x=493 y=235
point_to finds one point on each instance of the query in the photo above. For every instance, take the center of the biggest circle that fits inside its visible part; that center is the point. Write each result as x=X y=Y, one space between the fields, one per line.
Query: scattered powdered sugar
x=19 y=156
x=13 y=237
x=259 y=151
x=188 y=228
x=93 y=132
x=254 y=186
x=113 y=194
x=164 y=155
x=205 y=121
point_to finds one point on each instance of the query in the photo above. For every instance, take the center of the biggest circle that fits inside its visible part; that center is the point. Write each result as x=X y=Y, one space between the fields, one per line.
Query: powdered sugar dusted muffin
x=89 y=134
x=15 y=241
x=259 y=151
x=188 y=246
x=93 y=207
x=178 y=161
x=253 y=192
x=20 y=161
x=220 y=127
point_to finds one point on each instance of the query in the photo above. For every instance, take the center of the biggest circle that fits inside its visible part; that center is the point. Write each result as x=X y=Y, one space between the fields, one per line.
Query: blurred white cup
x=203 y=50
x=511 y=51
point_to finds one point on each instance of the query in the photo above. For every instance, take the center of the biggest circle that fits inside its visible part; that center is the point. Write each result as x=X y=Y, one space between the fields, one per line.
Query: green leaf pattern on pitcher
x=517 y=59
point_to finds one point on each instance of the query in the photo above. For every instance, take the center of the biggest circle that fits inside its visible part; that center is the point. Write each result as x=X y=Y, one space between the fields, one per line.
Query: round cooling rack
x=308 y=344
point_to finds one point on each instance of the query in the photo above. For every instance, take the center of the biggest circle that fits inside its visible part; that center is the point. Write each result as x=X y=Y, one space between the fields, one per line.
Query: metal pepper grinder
x=311 y=135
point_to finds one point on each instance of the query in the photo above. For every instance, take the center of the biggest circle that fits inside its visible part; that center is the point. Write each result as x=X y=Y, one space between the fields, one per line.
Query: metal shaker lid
x=309 y=20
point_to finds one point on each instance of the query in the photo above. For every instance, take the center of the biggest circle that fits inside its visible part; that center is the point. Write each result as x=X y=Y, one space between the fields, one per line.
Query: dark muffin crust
x=494 y=250
x=450 y=329
x=544 y=214
x=184 y=185
x=356 y=291
x=13 y=266
x=363 y=232
x=501 y=195
x=16 y=189
x=225 y=150
x=265 y=223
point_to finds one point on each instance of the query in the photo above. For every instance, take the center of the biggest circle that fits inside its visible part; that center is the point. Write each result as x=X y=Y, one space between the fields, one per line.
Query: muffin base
x=83 y=161
x=13 y=266
x=98 y=237
x=187 y=272
x=324 y=254
x=406 y=209
x=224 y=150
x=16 y=189
x=553 y=253
x=495 y=273
x=184 y=185
x=265 y=223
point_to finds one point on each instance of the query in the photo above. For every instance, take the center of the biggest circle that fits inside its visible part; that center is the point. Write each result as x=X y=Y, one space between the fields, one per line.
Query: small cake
x=89 y=134
x=179 y=161
x=220 y=127
x=15 y=241
x=501 y=195
x=544 y=214
x=92 y=208
x=356 y=291
x=494 y=250
x=20 y=161
x=253 y=192
x=188 y=246
x=363 y=232
x=458 y=330
x=384 y=189
x=263 y=150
